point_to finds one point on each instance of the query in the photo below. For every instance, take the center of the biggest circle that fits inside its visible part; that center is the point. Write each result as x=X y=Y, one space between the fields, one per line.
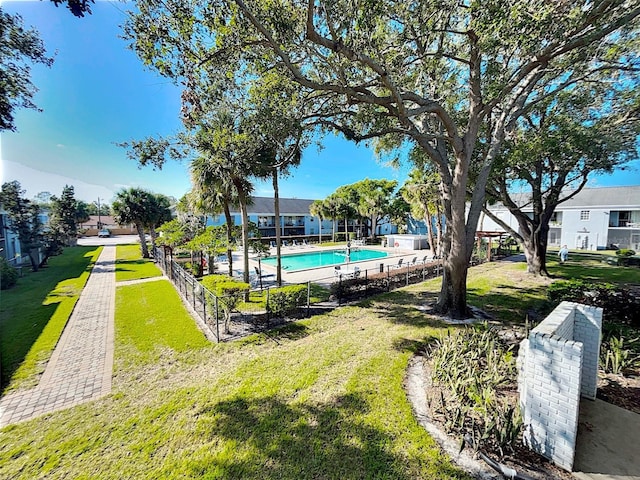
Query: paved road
x=81 y=365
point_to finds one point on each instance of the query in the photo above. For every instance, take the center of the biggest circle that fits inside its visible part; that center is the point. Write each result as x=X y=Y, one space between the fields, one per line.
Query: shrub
x=8 y=274
x=617 y=359
x=472 y=367
x=284 y=301
x=625 y=252
x=619 y=304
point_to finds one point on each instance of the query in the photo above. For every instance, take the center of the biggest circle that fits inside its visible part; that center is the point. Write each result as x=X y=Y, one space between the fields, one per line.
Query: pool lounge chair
x=265 y=278
x=399 y=265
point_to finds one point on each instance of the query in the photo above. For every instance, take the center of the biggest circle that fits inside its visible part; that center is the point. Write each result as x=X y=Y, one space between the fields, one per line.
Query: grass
x=321 y=398
x=35 y=311
x=130 y=265
x=165 y=323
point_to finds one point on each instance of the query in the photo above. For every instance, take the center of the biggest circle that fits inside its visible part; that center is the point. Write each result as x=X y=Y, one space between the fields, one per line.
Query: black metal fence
x=226 y=318
x=372 y=281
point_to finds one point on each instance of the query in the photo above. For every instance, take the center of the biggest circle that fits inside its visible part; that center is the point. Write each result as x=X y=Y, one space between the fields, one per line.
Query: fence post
x=193 y=292
x=203 y=299
x=215 y=306
x=339 y=289
x=268 y=309
x=366 y=282
x=388 y=278
x=308 y=296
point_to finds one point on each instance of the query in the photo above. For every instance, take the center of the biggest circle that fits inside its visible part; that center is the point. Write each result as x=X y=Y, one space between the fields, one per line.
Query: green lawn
x=152 y=319
x=321 y=398
x=131 y=266
x=35 y=311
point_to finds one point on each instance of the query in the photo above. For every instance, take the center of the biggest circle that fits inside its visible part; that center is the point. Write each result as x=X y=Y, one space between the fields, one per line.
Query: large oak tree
x=554 y=152
x=434 y=74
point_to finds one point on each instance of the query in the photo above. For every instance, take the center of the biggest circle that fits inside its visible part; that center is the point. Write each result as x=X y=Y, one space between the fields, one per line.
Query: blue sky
x=97 y=92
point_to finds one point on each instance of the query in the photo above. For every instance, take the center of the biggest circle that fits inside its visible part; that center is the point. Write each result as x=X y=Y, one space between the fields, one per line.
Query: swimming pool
x=323 y=258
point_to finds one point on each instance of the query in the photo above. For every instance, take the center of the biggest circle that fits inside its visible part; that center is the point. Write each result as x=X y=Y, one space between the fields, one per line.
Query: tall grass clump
x=474 y=372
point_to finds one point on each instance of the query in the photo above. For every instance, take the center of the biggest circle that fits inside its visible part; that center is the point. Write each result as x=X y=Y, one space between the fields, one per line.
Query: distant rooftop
x=288 y=206
x=612 y=197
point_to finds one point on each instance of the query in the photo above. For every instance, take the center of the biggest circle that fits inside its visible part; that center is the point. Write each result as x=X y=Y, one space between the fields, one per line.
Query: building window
x=584 y=215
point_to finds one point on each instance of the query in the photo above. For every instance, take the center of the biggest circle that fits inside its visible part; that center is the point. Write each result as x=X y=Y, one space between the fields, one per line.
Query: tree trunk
x=319 y=230
x=535 y=251
x=143 y=241
x=276 y=210
x=154 y=236
x=453 y=292
x=333 y=231
x=429 y=225
x=229 y=225
x=245 y=237
x=33 y=258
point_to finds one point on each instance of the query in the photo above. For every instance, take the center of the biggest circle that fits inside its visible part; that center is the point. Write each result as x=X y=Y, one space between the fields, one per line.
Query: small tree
x=228 y=293
x=131 y=206
x=211 y=243
x=25 y=221
x=64 y=216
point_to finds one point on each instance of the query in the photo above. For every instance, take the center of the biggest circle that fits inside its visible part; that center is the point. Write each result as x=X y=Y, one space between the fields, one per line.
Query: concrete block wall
x=556 y=366
x=588 y=330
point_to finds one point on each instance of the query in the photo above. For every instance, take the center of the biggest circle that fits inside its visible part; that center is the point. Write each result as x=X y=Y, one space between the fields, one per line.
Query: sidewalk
x=81 y=365
x=608 y=446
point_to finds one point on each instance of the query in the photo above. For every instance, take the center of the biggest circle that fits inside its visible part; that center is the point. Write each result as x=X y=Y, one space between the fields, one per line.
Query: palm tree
x=421 y=191
x=132 y=205
x=229 y=152
x=213 y=193
x=318 y=209
x=158 y=212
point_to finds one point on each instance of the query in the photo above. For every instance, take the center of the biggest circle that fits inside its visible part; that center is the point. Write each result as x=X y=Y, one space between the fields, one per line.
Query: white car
x=104 y=233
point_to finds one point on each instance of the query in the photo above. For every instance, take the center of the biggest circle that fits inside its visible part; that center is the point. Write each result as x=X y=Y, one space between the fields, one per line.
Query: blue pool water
x=323 y=258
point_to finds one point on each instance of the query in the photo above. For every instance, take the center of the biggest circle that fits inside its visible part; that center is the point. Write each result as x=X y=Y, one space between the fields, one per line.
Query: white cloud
x=35 y=181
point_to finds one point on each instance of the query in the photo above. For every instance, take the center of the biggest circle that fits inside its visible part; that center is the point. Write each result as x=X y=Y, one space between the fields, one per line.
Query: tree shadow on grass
x=123 y=265
x=405 y=307
x=511 y=304
x=275 y=439
x=27 y=308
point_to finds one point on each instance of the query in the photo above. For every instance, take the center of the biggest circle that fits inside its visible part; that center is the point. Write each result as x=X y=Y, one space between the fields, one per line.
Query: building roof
x=610 y=197
x=288 y=206
x=605 y=196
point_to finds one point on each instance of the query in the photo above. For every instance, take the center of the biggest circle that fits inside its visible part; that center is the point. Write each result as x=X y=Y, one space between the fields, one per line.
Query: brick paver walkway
x=81 y=365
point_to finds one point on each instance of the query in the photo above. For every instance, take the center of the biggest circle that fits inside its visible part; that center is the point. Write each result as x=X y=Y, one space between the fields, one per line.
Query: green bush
x=618 y=304
x=625 y=252
x=472 y=367
x=8 y=274
x=284 y=301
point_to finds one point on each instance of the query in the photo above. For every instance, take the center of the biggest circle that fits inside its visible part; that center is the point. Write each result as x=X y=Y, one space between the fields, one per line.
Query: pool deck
x=325 y=275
